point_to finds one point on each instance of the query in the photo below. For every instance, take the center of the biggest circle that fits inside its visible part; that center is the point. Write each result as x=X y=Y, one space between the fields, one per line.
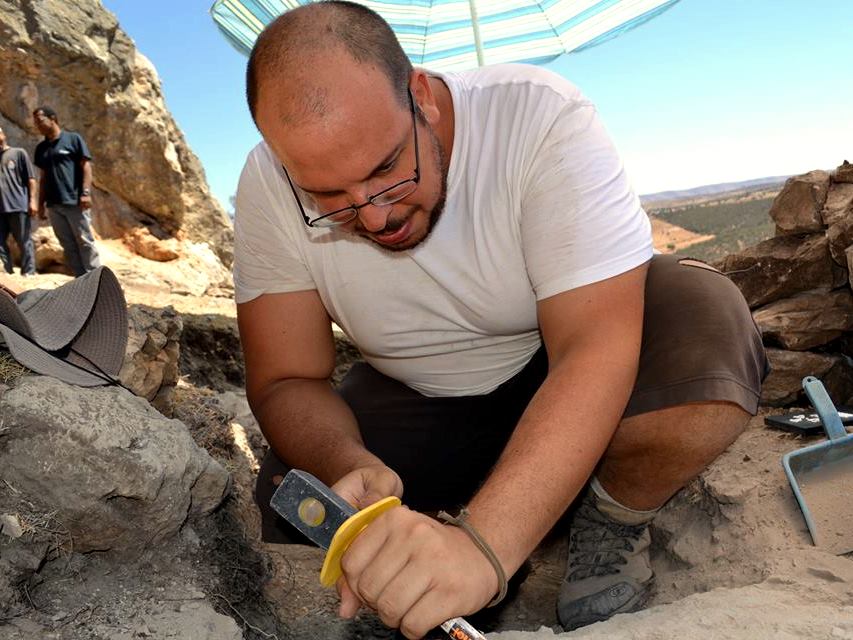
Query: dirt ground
x=731 y=553
x=670 y=238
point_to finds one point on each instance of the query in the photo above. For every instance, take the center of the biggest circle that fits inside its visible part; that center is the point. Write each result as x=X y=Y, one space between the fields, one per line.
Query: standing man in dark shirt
x=17 y=205
x=66 y=190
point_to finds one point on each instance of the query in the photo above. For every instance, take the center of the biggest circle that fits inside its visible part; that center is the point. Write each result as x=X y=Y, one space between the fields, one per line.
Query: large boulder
x=74 y=57
x=806 y=320
x=116 y=473
x=783 y=266
x=797 y=208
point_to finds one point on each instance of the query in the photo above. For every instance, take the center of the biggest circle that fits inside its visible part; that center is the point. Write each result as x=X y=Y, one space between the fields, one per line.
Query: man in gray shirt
x=18 y=205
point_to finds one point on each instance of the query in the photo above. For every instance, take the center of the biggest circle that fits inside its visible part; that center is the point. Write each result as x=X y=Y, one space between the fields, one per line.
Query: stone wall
x=798 y=284
x=74 y=57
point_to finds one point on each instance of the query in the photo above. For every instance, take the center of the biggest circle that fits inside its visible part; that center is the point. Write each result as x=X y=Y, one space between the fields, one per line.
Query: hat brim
x=83 y=322
x=37 y=359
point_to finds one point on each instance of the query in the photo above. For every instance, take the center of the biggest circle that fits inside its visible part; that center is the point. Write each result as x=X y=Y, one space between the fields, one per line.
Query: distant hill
x=723 y=218
x=758 y=184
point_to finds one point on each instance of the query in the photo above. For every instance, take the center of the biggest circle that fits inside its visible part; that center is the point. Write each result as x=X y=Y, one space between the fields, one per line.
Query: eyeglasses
x=386 y=197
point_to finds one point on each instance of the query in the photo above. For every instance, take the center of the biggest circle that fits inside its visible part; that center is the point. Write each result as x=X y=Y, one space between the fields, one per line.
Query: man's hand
x=85 y=202
x=414 y=572
x=33 y=209
x=366 y=485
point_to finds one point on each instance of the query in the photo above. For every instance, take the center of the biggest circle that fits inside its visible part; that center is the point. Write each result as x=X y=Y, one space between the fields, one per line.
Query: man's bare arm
x=86 y=200
x=290 y=354
x=33 y=200
x=593 y=336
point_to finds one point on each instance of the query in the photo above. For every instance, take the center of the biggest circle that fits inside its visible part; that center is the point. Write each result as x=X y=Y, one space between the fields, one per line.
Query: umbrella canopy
x=447 y=35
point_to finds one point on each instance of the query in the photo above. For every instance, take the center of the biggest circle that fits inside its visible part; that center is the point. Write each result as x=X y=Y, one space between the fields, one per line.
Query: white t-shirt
x=537 y=203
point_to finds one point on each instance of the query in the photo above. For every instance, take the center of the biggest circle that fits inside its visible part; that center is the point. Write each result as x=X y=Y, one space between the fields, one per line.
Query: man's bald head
x=294 y=42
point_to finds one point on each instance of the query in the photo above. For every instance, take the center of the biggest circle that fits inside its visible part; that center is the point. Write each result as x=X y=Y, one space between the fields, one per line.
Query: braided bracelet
x=461 y=521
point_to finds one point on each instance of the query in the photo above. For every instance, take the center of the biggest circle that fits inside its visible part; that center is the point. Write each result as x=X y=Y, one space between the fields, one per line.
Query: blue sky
x=710 y=91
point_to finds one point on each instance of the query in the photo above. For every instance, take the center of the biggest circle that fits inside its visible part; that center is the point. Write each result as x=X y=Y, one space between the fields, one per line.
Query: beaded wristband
x=461 y=521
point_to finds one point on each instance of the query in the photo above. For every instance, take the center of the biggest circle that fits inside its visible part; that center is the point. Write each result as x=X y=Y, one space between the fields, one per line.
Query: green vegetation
x=735 y=225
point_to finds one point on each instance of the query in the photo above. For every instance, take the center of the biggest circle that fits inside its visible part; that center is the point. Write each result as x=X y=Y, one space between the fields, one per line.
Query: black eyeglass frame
x=371 y=199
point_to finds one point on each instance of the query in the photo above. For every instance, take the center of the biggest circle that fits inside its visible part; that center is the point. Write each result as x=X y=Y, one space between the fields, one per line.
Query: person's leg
x=65 y=233
x=701 y=367
x=5 y=256
x=81 y=223
x=22 y=230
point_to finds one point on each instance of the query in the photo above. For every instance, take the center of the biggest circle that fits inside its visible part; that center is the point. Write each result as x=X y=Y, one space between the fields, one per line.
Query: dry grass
x=10 y=370
x=209 y=425
x=37 y=525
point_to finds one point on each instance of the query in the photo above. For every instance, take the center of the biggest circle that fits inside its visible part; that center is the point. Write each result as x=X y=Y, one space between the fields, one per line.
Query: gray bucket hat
x=76 y=332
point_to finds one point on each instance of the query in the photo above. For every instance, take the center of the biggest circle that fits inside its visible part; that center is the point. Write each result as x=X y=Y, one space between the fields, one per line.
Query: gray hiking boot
x=608 y=569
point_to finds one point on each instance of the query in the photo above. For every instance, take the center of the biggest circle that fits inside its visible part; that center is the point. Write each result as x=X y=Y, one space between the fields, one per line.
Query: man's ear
x=425 y=98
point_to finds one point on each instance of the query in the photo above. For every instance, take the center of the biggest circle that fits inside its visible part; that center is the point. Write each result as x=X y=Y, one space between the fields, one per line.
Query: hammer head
x=310 y=506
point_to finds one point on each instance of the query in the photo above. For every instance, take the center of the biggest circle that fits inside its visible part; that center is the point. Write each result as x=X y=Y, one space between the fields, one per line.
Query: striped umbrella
x=447 y=35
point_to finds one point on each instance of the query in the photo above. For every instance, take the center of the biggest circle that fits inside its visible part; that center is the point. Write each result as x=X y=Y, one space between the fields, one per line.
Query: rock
x=143 y=243
x=838 y=216
x=840 y=237
x=783 y=266
x=111 y=94
x=784 y=384
x=844 y=173
x=797 y=208
x=150 y=368
x=117 y=473
x=50 y=258
x=839 y=204
x=49 y=254
x=806 y=320
x=10 y=526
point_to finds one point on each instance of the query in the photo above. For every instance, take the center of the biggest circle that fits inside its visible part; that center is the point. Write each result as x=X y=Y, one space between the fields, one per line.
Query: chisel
x=332 y=524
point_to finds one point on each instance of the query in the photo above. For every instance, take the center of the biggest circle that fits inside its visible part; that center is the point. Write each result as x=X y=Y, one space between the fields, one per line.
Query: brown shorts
x=699 y=344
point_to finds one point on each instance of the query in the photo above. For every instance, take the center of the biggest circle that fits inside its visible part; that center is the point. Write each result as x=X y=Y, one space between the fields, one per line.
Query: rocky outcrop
x=75 y=58
x=114 y=472
x=150 y=368
x=799 y=286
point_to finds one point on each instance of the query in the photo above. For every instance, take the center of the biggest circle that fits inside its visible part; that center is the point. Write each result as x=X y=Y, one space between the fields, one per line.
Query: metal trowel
x=332 y=524
x=821 y=476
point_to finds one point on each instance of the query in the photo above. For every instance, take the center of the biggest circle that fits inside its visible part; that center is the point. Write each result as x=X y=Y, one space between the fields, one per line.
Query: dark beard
x=440 y=158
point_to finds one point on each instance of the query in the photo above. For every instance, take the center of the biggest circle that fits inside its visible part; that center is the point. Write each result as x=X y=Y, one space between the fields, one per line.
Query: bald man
x=475 y=235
